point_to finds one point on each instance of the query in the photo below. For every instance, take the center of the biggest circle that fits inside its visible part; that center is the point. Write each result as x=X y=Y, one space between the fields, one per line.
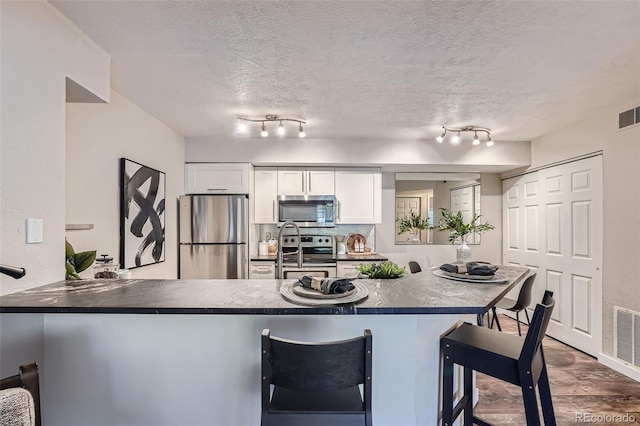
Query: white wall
x=39 y=49
x=621 y=166
x=98 y=135
x=274 y=151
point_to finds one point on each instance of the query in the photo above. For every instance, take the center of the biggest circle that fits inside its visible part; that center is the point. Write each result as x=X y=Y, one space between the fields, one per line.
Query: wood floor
x=580 y=386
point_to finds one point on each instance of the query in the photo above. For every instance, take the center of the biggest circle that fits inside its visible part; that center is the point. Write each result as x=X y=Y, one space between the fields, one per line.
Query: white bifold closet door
x=552 y=222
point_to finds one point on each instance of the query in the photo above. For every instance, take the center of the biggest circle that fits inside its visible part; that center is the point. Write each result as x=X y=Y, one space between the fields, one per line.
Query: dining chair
x=316 y=384
x=26 y=379
x=523 y=302
x=414 y=267
x=514 y=359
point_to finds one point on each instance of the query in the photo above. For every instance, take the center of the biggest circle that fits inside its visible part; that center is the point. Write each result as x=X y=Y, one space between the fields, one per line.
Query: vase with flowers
x=413 y=224
x=459 y=230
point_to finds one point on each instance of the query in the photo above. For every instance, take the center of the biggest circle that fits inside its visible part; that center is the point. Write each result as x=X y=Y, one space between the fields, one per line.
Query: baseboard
x=619 y=366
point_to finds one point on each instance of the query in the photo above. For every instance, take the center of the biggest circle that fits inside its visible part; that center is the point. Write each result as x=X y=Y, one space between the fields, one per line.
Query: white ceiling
x=365 y=69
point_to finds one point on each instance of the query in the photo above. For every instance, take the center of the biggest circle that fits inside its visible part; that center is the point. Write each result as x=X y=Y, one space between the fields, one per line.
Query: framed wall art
x=142 y=208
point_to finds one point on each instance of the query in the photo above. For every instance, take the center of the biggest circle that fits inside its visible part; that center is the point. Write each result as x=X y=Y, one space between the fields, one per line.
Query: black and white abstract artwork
x=142 y=215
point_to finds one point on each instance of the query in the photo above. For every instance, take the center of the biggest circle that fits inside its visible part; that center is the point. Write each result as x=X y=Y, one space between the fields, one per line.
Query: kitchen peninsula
x=201 y=365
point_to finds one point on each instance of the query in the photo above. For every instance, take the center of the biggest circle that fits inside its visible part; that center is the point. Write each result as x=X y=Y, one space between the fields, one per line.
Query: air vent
x=627 y=345
x=629 y=118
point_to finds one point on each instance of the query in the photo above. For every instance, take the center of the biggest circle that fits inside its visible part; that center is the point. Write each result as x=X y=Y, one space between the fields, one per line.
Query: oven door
x=293 y=272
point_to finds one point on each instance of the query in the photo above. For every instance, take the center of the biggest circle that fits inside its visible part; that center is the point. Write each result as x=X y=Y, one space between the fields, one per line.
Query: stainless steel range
x=318 y=259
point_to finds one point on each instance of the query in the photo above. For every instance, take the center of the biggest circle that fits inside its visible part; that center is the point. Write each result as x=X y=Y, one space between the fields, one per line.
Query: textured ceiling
x=365 y=69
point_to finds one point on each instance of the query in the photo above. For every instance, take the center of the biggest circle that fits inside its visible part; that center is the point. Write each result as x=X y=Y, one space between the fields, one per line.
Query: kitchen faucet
x=12 y=271
x=280 y=254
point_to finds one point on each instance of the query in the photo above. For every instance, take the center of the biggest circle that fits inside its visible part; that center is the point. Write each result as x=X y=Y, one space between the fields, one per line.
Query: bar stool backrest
x=327 y=366
x=537 y=328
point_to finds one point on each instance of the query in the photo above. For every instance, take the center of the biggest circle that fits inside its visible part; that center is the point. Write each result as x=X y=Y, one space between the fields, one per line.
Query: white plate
x=497 y=278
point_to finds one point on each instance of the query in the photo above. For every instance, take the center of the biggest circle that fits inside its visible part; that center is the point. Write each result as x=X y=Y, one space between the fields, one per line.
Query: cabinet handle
x=217 y=189
x=309 y=178
x=275 y=213
x=304 y=182
x=337 y=210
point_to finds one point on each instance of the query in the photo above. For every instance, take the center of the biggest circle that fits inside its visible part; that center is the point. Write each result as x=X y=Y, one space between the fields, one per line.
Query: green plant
x=412 y=223
x=386 y=269
x=77 y=262
x=454 y=223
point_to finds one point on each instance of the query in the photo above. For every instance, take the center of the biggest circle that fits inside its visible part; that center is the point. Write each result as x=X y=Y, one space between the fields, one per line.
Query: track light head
x=301 y=132
x=455 y=138
x=281 y=130
x=264 y=132
x=242 y=127
x=489 y=141
x=440 y=138
x=476 y=141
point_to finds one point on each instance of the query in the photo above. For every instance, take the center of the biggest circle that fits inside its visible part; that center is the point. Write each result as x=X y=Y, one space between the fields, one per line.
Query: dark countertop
x=337 y=258
x=421 y=293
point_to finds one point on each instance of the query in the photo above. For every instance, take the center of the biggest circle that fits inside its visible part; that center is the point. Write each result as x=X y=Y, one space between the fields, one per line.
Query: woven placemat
x=359 y=293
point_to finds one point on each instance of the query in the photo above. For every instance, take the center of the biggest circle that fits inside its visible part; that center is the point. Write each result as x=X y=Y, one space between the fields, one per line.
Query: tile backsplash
x=368 y=231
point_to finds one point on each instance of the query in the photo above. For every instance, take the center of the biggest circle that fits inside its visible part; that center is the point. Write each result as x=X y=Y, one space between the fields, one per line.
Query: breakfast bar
x=168 y=352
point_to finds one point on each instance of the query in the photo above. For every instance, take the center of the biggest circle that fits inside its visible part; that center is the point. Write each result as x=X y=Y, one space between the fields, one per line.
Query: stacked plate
x=296 y=293
x=497 y=278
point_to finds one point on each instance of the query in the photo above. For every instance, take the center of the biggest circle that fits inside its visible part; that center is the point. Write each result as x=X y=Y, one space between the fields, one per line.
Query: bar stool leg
x=530 y=401
x=468 y=392
x=545 y=396
x=518 y=321
x=527 y=315
x=447 y=384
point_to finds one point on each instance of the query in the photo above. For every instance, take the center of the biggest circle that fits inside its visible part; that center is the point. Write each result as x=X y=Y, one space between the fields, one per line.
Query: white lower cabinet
x=350 y=269
x=262 y=270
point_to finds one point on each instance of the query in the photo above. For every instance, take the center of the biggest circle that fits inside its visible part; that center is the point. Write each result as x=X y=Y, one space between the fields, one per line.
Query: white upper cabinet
x=306 y=181
x=265 y=194
x=217 y=178
x=359 y=195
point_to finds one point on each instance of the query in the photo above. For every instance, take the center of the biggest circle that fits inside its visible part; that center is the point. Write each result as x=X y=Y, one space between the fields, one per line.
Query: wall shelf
x=78 y=226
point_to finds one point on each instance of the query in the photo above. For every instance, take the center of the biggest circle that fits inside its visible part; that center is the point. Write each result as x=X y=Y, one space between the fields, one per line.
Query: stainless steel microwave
x=307 y=210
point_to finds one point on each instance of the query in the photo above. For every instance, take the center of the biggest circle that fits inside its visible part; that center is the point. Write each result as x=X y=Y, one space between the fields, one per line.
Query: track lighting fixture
x=458 y=130
x=281 y=131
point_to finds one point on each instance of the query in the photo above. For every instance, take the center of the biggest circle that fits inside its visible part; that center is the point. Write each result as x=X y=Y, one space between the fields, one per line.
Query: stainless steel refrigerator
x=213 y=236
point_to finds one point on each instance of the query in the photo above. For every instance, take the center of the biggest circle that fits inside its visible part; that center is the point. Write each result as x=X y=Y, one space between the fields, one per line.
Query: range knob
x=326 y=240
x=293 y=240
x=286 y=240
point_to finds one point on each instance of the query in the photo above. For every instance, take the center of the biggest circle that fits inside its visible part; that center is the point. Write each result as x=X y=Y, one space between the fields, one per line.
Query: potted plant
x=413 y=223
x=386 y=269
x=454 y=223
x=77 y=262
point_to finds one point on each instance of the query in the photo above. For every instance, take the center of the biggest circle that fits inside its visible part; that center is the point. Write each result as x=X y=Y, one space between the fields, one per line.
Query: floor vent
x=627 y=339
x=629 y=118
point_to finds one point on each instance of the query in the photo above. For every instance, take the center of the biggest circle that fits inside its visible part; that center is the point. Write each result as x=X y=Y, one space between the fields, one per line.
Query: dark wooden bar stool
x=316 y=383
x=514 y=359
x=26 y=379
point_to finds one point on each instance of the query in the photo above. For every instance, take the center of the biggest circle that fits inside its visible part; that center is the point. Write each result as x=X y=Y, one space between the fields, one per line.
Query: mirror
x=425 y=193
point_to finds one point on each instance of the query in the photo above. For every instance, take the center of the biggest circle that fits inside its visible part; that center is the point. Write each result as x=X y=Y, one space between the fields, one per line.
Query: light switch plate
x=35 y=231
